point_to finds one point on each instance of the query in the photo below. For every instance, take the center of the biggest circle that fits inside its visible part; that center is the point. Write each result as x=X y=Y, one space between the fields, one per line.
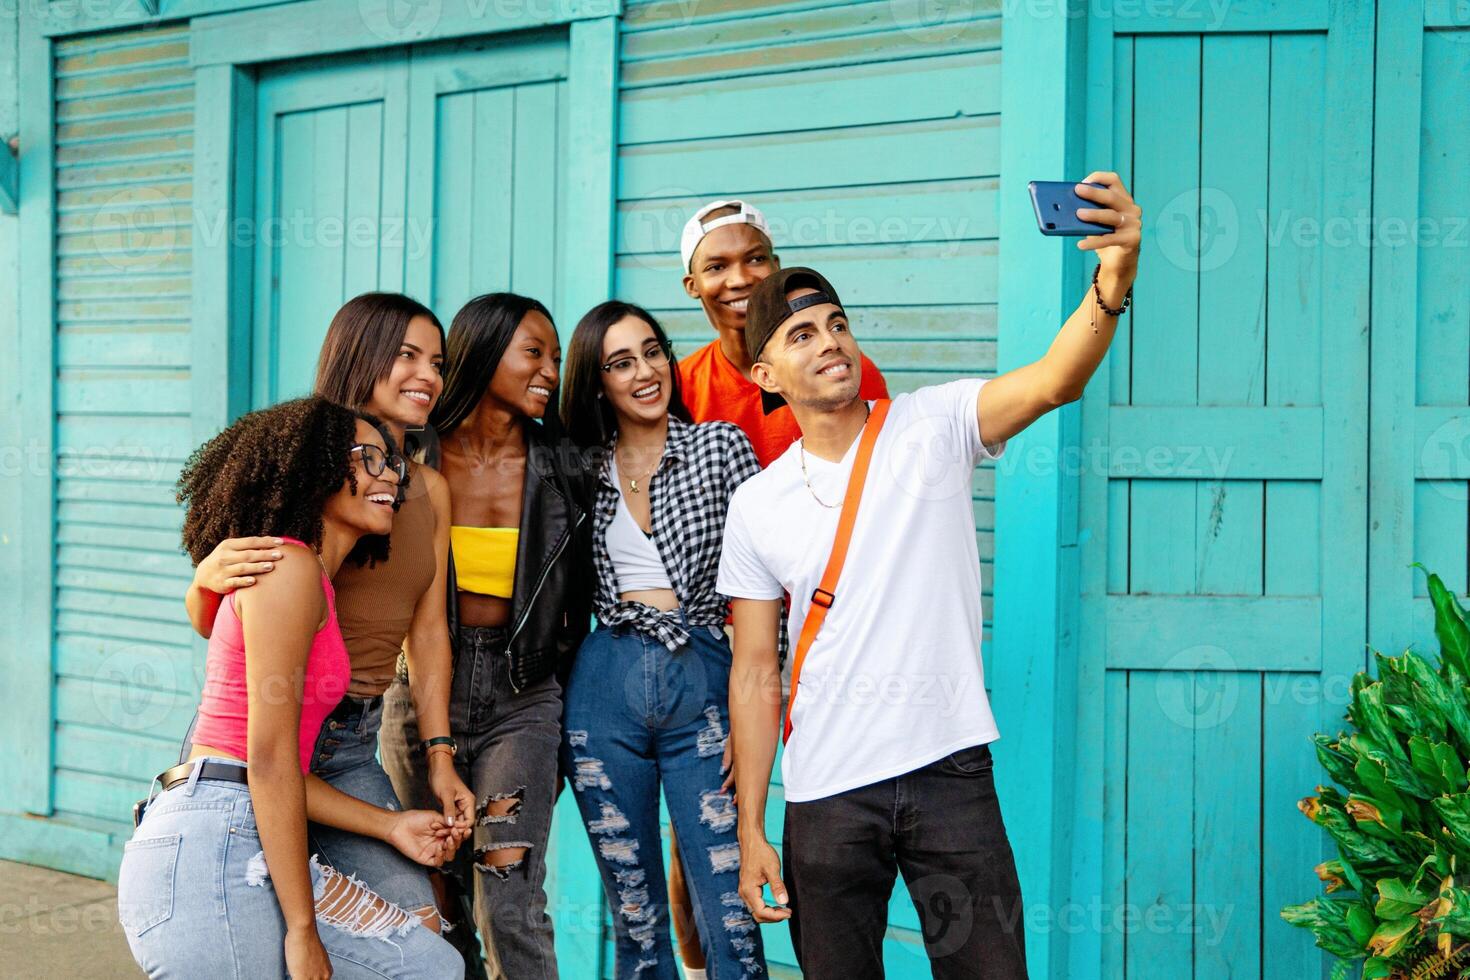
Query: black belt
x=223 y=771
x=174 y=775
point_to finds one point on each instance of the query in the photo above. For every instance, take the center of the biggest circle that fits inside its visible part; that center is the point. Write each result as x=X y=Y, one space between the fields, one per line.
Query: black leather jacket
x=551 y=602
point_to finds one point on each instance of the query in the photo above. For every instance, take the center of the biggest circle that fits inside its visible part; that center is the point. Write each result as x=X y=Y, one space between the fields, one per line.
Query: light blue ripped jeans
x=638 y=716
x=195 y=900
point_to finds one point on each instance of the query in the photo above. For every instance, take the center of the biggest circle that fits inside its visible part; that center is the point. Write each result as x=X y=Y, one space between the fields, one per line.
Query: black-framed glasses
x=623 y=368
x=375 y=461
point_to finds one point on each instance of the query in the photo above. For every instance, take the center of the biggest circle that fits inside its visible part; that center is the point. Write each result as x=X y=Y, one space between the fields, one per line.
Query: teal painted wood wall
x=1195 y=624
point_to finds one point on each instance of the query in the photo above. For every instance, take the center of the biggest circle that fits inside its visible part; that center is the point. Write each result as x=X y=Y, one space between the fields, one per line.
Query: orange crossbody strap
x=826 y=593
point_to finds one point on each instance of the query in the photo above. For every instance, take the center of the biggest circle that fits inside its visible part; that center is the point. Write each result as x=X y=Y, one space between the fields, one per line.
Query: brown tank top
x=375 y=604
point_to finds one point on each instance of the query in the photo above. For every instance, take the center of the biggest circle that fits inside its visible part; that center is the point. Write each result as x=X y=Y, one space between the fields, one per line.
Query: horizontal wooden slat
x=154 y=665
x=124 y=704
x=936 y=211
x=747 y=52
x=1219 y=16
x=963 y=272
x=1224 y=633
x=865 y=95
x=954 y=149
x=1215 y=443
x=690 y=328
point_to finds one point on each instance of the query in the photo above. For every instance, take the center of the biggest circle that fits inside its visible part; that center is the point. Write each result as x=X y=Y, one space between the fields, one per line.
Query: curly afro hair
x=271 y=473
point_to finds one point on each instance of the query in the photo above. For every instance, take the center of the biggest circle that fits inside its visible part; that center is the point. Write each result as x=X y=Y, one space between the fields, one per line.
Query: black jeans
x=940 y=826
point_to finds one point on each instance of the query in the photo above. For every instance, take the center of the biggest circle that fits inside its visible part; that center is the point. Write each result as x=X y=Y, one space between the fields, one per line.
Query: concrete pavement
x=55 y=926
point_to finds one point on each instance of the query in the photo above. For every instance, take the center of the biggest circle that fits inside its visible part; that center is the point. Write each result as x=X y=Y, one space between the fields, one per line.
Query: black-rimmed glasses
x=623 y=368
x=375 y=461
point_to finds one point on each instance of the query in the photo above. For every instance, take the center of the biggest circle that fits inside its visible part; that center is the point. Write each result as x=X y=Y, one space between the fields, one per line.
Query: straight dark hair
x=590 y=420
x=478 y=338
x=362 y=343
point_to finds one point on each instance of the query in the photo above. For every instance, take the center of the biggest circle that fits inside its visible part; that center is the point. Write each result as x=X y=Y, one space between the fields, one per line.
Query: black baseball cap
x=768 y=308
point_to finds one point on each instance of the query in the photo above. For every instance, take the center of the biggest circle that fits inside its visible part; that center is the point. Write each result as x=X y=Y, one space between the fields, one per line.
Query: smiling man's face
x=727 y=264
x=811 y=359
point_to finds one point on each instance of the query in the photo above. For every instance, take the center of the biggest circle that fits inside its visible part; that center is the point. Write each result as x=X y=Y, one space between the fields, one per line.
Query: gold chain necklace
x=633 y=480
x=801 y=446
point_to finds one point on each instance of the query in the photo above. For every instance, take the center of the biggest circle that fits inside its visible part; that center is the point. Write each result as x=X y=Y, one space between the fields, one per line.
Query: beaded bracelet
x=1097 y=294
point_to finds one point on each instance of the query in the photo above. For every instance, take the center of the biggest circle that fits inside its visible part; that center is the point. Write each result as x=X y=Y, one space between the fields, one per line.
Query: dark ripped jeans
x=508 y=758
x=940 y=827
x=639 y=718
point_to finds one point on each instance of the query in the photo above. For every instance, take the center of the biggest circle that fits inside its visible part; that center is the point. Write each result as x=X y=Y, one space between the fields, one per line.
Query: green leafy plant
x=1397 y=897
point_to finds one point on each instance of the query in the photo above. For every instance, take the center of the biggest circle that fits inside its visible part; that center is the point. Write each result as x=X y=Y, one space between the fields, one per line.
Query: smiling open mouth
x=839 y=370
x=382 y=499
x=648 y=393
x=539 y=390
x=417 y=397
x=738 y=305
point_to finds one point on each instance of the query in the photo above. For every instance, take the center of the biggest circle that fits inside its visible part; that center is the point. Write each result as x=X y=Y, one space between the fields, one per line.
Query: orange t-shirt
x=716 y=391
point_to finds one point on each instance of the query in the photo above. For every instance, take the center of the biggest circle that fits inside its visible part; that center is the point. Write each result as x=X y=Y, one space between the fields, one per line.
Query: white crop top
x=634 y=556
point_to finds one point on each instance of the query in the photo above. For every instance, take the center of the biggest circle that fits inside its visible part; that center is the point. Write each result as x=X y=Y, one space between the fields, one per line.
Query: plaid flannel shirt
x=689 y=495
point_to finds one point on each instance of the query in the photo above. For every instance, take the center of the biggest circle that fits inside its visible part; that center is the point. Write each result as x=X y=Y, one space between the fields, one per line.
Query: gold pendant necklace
x=633 y=480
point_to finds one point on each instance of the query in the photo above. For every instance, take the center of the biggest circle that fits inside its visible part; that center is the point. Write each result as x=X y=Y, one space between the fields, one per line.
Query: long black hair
x=478 y=338
x=590 y=420
x=272 y=472
x=362 y=343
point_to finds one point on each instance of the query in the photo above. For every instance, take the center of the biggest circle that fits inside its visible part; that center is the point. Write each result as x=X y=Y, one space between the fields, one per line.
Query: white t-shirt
x=894 y=680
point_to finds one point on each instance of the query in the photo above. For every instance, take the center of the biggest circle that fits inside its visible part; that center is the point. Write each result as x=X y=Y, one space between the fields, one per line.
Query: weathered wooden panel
x=124 y=235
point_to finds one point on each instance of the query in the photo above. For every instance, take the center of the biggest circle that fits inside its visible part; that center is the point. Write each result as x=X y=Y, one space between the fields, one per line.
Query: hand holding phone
x=1056 y=203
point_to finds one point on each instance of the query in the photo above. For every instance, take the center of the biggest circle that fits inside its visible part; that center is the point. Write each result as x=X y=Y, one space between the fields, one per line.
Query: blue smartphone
x=1056 y=204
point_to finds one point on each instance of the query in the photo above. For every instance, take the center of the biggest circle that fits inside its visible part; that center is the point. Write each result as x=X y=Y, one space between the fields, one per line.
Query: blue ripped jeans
x=195 y=899
x=637 y=717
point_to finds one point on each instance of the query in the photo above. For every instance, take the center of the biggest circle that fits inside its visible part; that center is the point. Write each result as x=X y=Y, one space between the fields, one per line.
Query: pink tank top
x=223 y=705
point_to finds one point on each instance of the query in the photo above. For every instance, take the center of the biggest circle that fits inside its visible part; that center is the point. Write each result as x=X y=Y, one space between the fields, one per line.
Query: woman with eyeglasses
x=219 y=879
x=518 y=606
x=647 y=701
x=383 y=353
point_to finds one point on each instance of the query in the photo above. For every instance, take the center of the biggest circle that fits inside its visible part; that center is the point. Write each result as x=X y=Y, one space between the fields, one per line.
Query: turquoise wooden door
x=1225 y=531
x=432 y=171
x=330 y=159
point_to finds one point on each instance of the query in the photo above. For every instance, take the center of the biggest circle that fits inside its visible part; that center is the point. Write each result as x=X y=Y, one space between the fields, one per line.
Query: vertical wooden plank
x=1293 y=562
x=1294 y=221
x=585 y=263
x=392 y=199
x=1160 y=818
x=1227 y=825
x=364 y=230
x=264 y=311
x=586 y=258
x=1166 y=169
x=1099 y=844
x=1291 y=845
x=1442 y=362
x=1441 y=530
x=533 y=233
x=492 y=160
x=28 y=722
x=1229 y=539
x=1235 y=123
x=1395 y=276
x=1113 y=896
x=1031 y=667
x=224 y=190
x=455 y=205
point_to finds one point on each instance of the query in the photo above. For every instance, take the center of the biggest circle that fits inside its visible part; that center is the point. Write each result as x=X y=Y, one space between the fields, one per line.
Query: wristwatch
x=429 y=743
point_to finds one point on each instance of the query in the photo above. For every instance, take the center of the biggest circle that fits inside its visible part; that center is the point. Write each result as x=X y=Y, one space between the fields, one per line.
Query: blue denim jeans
x=195 y=900
x=638 y=716
x=346 y=758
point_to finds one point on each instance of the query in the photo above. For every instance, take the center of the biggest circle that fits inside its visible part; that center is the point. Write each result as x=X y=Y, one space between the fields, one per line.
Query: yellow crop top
x=485 y=559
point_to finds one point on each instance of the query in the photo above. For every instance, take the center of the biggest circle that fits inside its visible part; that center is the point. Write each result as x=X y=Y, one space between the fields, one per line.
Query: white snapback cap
x=696 y=227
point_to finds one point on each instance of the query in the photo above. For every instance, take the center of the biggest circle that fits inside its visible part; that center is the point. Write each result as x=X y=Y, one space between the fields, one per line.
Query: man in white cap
x=726 y=249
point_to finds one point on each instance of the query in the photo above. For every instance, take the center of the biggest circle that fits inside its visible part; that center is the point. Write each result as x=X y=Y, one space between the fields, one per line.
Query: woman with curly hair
x=383 y=353
x=217 y=880
x=518 y=606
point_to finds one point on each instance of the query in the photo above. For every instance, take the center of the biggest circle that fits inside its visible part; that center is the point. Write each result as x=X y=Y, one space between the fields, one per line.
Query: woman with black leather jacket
x=519 y=604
